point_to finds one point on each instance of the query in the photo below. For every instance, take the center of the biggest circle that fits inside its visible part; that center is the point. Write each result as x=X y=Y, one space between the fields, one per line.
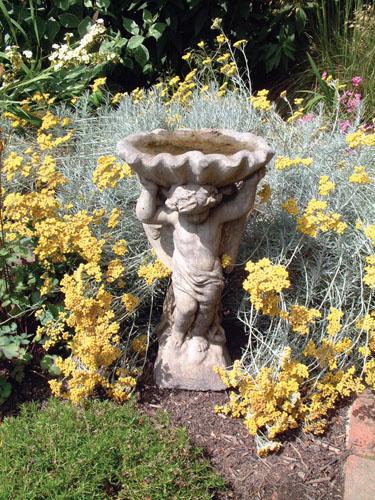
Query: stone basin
x=218 y=157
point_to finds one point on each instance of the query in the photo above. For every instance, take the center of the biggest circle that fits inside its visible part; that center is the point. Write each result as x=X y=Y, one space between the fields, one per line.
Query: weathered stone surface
x=198 y=188
x=361 y=433
x=218 y=157
x=359 y=478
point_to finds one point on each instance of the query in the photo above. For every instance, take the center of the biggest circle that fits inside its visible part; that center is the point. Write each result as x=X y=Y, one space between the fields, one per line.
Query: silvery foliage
x=324 y=271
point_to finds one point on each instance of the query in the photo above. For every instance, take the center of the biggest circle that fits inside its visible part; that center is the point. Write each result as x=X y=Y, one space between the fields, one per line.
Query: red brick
x=361 y=432
x=359 y=478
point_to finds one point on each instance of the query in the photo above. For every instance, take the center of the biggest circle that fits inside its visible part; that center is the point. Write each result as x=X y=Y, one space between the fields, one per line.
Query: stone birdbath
x=198 y=188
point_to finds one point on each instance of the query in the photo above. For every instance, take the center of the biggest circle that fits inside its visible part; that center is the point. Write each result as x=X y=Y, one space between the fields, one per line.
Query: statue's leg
x=184 y=314
x=206 y=317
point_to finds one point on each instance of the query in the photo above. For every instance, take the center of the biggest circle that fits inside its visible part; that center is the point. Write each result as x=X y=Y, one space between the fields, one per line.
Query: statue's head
x=192 y=199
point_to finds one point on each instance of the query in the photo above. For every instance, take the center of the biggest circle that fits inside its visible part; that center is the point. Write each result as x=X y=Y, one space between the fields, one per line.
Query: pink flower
x=351 y=100
x=324 y=75
x=344 y=126
x=356 y=81
x=306 y=118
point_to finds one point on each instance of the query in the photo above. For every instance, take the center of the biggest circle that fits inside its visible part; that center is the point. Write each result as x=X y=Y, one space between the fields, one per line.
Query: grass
x=99 y=451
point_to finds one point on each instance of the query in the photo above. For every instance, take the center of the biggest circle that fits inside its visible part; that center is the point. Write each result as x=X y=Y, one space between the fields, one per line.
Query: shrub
x=99 y=451
x=154 y=35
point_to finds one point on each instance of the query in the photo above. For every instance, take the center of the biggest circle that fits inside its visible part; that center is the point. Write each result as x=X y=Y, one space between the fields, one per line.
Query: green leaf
x=147 y=16
x=156 y=30
x=62 y=4
x=84 y=25
x=10 y=351
x=5 y=390
x=141 y=55
x=130 y=26
x=48 y=363
x=69 y=20
x=135 y=41
x=301 y=18
x=103 y=4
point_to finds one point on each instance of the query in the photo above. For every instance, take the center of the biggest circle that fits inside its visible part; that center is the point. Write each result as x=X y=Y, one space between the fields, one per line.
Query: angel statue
x=198 y=188
x=187 y=225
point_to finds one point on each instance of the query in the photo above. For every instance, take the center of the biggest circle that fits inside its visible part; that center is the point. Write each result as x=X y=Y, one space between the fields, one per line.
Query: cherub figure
x=197 y=215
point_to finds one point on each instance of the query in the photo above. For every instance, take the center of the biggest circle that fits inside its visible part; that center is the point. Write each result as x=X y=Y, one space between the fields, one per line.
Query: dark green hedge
x=155 y=33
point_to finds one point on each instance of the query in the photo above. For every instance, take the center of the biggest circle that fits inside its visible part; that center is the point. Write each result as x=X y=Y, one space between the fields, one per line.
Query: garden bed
x=307 y=466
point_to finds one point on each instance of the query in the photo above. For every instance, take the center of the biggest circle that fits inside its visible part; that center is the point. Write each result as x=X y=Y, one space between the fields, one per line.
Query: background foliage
x=155 y=34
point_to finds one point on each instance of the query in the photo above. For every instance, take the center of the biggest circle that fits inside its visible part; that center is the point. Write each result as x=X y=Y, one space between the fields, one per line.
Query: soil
x=307 y=467
x=32 y=387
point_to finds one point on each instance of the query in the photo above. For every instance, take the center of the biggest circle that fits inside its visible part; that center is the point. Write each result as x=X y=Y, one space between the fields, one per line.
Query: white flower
x=28 y=54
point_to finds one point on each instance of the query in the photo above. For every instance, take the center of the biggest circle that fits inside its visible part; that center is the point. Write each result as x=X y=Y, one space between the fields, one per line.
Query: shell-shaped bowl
x=218 y=157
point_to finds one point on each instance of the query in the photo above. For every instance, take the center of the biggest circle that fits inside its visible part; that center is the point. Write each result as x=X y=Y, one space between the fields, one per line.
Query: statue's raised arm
x=242 y=202
x=147 y=209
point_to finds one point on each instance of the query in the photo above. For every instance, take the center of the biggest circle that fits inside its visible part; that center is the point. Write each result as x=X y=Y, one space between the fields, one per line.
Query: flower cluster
x=70 y=55
x=326 y=185
x=300 y=318
x=264 y=283
x=284 y=163
x=316 y=218
x=360 y=138
x=260 y=100
x=109 y=172
x=154 y=271
x=360 y=176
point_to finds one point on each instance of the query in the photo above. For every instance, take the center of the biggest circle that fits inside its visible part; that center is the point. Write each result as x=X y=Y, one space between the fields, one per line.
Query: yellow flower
x=264 y=283
x=221 y=39
x=137 y=95
x=139 y=345
x=240 y=43
x=120 y=247
x=115 y=270
x=283 y=163
x=290 y=205
x=301 y=317
x=265 y=193
x=360 y=176
x=12 y=165
x=224 y=58
x=316 y=218
x=49 y=121
x=326 y=186
x=98 y=83
x=130 y=302
x=109 y=172
x=113 y=218
x=201 y=44
x=186 y=56
x=369 y=277
x=153 y=271
x=226 y=261
x=283 y=94
x=260 y=100
x=334 y=321
x=116 y=99
x=370 y=233
x=360 y=138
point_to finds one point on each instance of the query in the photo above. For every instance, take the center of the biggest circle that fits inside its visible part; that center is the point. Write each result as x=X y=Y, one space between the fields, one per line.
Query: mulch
x=307 y=467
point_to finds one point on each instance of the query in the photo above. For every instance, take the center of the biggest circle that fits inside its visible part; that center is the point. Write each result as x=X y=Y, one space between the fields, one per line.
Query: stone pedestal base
x=187 y=368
